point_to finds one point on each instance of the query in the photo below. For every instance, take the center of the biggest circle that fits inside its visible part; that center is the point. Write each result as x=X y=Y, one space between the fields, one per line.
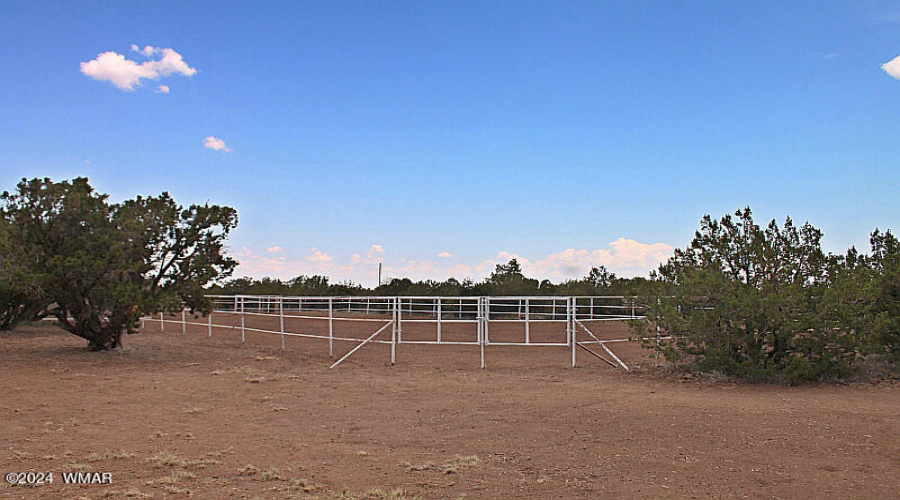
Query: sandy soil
x=176 y=415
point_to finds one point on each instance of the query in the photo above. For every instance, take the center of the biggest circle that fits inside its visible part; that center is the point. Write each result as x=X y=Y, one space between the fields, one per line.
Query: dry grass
x=78 y=467
x=271 y=474
x=451 y=466
x=109 y=455
x=375 y=494
x=166 y=459
x=248 y=470
x=173 y=483
x=126 y=493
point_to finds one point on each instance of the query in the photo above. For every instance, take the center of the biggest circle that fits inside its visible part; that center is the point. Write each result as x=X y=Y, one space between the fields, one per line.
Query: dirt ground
x=175 y=415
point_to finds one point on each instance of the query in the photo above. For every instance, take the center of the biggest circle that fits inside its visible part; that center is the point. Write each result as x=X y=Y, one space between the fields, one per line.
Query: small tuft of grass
x=248 y=470
x=451 y=466
x=255 y=380
x=280 y=408
x=127 y=493
x=375 y=494
x=271 y=474
x=417 y=468
x=176 y=477
x=459 y=462
x=194 y=410
x=264 y=358
x=303 y=485
x=166 y=459
x=78 y=467
x=218 y=454
x=395 y=494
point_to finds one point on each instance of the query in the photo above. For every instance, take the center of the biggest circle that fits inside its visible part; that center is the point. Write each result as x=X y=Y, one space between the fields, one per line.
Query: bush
x=98 y=267
x=754 y=303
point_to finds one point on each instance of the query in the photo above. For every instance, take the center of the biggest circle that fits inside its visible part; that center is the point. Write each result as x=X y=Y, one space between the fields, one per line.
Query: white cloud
x=162 y=89
x=147 y=51
x=892 y=67
x=319 y=256
x=213 y=142
x=274 y=249
x=375 y=252
x=445 y=255
x=127 y=74
x=625 y=257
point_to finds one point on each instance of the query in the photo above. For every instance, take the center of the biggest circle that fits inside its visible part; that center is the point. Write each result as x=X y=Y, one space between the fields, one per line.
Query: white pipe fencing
x=566 y=313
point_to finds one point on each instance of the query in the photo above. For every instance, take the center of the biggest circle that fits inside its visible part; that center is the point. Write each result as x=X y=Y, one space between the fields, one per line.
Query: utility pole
x=379 y=274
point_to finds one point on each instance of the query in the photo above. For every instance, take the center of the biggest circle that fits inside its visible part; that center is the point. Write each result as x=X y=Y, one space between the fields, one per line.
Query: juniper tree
x=752 y=302
x=101 y=266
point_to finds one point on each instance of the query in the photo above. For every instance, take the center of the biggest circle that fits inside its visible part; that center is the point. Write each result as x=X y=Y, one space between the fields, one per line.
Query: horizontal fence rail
x=518 y=321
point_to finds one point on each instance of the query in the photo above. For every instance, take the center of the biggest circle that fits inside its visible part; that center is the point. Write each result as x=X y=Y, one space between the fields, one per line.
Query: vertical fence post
x=527 y=319
x=439 y=314
x=162 y=322
x=183 y=322
x=487 y=320
x=571 y=326
x=394 y=336
x=400 y=320
x=243 y=326
x=481 y=327
x=281 y=318
x=209 y=322
x=330 y=327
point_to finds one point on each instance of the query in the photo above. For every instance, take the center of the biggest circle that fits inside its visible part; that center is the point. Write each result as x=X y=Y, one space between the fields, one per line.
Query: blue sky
x=444 y=137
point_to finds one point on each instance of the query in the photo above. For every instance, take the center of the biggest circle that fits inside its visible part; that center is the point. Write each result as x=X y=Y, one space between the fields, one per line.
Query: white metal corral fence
x=477 y=321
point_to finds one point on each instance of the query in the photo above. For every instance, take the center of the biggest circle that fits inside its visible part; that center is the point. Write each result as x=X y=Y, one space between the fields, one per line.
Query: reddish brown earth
x=175 y=415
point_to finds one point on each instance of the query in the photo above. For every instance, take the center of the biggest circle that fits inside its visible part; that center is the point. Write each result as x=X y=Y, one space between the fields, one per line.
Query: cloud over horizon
x=625 y=257
x=127 y=74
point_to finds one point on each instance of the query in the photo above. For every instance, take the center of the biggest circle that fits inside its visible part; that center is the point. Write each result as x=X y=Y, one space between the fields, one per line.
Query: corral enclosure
x=182 y=414
x=351 y=323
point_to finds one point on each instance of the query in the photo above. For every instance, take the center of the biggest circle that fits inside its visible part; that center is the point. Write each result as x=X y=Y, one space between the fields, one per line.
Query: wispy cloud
x=892 y=67
x=126 y=74
x=445 y=255
x=162 y=89
x=215 y=143
x=274 y=249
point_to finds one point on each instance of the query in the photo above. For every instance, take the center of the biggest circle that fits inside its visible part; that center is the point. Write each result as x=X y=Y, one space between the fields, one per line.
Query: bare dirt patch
x=177 y=415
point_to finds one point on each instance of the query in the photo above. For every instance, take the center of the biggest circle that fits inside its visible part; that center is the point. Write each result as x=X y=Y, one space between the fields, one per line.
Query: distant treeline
x=506 y=280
